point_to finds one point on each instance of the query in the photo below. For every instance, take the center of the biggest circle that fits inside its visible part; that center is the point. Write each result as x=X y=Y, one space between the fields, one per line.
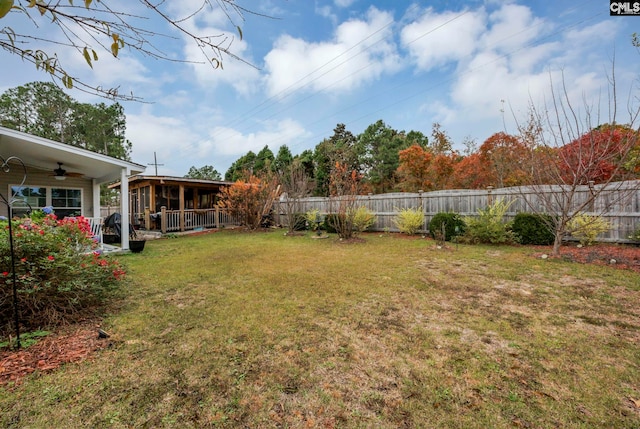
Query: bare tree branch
x=97 y=27
x=577 y=167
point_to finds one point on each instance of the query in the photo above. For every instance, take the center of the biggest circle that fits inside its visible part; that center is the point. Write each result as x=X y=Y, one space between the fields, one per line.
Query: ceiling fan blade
x=60 y=173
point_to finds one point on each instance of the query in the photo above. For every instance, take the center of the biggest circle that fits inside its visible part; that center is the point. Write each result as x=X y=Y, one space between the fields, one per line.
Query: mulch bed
x=620 y=256
x=72 y=344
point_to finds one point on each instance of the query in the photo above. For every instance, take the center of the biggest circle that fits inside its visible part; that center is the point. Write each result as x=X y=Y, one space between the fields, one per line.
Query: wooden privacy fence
x=618 y=203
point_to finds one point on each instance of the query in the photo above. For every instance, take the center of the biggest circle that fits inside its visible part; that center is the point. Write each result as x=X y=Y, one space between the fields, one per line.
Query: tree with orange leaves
x=471 y=173
x=505 y=158
x=413 y=171
x=249 y=200
x=420 y=169
x=442 y=169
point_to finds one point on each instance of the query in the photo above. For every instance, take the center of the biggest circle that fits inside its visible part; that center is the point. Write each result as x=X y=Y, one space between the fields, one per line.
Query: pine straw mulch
x=620 y=256
x=71 y=344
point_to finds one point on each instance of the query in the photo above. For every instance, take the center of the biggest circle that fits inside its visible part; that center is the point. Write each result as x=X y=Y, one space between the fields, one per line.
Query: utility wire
x=395 y=88
x=406 y=82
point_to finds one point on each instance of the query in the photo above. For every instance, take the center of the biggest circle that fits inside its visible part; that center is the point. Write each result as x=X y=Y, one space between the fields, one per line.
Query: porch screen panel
x=168 y=196
x=189 y=198
x=145 y=198
x=206 y=199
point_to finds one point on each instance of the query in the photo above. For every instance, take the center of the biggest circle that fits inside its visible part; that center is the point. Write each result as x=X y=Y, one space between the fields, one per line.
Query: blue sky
x=472 y=66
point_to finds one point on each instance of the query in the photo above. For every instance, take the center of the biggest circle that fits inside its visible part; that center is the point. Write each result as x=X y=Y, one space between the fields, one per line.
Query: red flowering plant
x=60 y=275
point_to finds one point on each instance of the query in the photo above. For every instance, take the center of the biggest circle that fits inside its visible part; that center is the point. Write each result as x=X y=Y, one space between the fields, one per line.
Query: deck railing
x=193 y=219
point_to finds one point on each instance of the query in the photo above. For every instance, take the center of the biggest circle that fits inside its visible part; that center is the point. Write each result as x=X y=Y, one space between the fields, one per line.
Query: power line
x=289 y=90
x=395 y=88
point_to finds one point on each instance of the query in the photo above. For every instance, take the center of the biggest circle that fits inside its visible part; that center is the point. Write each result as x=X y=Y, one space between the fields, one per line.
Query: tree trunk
x=557 y=241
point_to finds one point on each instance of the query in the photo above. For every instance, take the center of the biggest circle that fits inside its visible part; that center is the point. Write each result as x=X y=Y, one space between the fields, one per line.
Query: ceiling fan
x=61 y=174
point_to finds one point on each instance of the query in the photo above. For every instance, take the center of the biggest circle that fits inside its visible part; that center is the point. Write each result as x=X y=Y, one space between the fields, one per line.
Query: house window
x=26 y=197
x=65 y=202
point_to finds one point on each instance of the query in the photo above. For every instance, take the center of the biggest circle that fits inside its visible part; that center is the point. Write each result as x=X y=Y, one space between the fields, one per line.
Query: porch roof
x=172 y=180
x=44 y=154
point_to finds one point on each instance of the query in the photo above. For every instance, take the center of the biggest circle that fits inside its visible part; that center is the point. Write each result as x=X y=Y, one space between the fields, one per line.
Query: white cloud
x=360 y=52
x=326 y=12
x=169 y=137
x=237 y=74
x=511 y=27
x=192 y=13
x=344 y=3
x=585 y=45
x=109 y=70
x=179 y=144
x=502 y=62
x=604 y=30
x=228 y=141
x=219 y=22
x=438 y=39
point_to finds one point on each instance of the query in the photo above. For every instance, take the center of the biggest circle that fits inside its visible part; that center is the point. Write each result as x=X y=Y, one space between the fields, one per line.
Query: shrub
x=299 y=221
x=489 y=227
x=330 y=220
x=248 y=200
x=453 y=225
x=533 y=228
x=357 y=220
x=344 y=187
x=586 y=228
x=58 y=276
x=363 y=219
x=409 y=221
x=636 y=235
x=311 y=219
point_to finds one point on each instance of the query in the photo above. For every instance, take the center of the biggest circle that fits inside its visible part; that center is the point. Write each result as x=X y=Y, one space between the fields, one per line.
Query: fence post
x=489 y=196
x=163 y=219
x=424 y=210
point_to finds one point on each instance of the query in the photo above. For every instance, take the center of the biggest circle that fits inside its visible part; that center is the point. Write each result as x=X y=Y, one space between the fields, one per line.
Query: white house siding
x=44 y=179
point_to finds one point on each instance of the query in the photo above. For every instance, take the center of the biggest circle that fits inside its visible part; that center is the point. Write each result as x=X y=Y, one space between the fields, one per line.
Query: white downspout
x=124 y=206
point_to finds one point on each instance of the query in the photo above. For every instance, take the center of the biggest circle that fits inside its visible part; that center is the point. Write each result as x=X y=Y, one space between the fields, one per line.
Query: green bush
x=60 y=276
x=330 y=220
x=533 y=228
x=311 y=220
x=489 y=227
x=586 y=228
x=363 y=219
x=636 y=235
x=409 y=221
x=453 y=225
x=300 y=222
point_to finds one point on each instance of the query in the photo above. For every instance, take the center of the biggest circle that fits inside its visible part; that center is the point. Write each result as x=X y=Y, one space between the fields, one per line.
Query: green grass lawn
x=261 y=330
